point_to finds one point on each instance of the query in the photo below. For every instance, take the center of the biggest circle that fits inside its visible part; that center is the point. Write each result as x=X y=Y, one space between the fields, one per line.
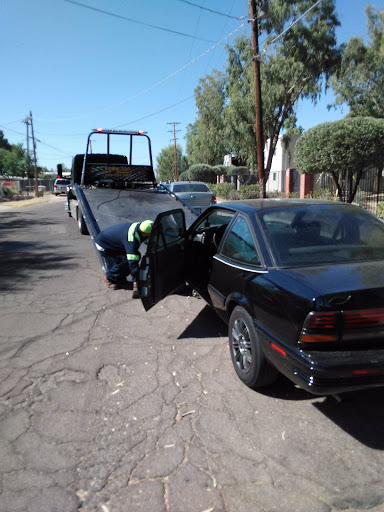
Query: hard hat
x=146 y=226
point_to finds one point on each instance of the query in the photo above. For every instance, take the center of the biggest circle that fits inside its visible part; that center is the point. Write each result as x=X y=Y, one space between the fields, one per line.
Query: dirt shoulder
x=47 y=198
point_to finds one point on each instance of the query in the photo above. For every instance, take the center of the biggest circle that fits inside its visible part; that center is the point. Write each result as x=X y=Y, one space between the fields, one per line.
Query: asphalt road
x=106 y=408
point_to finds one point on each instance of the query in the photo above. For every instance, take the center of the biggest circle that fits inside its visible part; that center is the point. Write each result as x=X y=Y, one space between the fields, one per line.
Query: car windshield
x=321 y=234
x=190 y=187
x=62 y=182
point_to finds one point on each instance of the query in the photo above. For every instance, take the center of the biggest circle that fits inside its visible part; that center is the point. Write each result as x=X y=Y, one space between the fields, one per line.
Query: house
x=283 y=159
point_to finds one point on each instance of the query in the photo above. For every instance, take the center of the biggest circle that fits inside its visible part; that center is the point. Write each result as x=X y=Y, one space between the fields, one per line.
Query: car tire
x=247 y=356
x=81 y=223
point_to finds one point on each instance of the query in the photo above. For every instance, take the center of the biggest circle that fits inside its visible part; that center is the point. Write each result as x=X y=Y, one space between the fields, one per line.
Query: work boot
x=110 y=284
x=135 y=293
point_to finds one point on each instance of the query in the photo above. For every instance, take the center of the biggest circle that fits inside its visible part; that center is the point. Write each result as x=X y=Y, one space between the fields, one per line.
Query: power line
x=37 y=140
x=144 y=91
x=155 y=113
x=211 y=10
x=10 y=130
x=136 y=21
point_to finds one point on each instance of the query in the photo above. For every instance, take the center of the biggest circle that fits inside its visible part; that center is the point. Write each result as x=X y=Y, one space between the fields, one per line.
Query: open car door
x=162 y=267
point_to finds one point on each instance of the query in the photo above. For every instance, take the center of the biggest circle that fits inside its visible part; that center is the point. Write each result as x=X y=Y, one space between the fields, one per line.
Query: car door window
x=239 y=245
x=170 y=230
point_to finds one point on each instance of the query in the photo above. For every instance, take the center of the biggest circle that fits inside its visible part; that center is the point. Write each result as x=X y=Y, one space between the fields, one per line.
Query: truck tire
x=81 y=223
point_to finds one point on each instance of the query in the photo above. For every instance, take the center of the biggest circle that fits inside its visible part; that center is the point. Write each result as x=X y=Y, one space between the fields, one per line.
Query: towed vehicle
x=300 y=284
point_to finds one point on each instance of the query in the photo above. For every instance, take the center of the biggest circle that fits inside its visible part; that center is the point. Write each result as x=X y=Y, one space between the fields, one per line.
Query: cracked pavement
x=106 y=408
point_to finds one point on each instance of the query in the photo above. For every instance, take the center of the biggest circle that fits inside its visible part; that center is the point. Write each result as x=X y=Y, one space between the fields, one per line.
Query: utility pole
x=175 y=152
x=263 y=10
x=27 y=120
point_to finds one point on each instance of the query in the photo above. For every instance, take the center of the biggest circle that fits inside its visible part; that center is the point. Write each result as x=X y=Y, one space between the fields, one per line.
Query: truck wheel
x=247 y=356
x=82 y=225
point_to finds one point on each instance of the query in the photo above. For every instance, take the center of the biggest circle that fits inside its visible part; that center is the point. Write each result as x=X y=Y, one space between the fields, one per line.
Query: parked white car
x=195 y=194
x=60 y=186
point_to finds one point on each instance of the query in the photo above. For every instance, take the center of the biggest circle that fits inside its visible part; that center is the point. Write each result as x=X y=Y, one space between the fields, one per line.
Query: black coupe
x=300 y=284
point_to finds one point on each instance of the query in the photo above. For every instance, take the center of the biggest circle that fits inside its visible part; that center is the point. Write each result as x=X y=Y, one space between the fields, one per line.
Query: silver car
x=195 y=194
x=60 y=186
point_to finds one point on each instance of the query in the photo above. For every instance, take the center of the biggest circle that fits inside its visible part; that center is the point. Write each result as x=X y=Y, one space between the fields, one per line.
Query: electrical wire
x=148 y=89
x=136 y=21
x=37 y=140
x=264 y=50
x=211 y=10
x=155 y=113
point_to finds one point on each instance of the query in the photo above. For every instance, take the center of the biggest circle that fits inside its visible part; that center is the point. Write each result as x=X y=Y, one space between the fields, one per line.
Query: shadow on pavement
x=12 y=221
x=360 y=414
x=19 y=259
x=284 y=389
x=206 y=325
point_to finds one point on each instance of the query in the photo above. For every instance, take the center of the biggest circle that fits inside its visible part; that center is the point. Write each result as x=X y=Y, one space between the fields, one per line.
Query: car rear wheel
x=247 y=356
x=81 y=223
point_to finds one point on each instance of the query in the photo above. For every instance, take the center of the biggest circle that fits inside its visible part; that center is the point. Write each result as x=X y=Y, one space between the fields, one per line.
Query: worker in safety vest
x=120 y=245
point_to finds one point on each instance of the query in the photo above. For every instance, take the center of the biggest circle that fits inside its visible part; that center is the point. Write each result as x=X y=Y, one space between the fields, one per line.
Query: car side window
x=239 y=244
x=169 y=231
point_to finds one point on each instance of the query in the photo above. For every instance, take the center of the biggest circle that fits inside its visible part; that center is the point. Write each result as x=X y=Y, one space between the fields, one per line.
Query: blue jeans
x=117 y=266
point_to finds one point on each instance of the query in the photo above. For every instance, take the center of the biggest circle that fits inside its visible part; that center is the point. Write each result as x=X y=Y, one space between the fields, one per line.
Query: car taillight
x=364 y=318
x=320 y=327
x=213 y=198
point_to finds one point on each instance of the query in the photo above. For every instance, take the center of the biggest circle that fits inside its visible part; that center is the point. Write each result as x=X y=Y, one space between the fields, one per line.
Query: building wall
x=283 y=159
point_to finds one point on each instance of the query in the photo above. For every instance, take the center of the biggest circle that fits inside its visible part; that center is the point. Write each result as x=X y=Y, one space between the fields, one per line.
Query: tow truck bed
x=110 y=206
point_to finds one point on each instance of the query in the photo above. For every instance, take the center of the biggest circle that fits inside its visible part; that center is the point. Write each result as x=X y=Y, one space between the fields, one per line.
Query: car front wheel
x=246 y=353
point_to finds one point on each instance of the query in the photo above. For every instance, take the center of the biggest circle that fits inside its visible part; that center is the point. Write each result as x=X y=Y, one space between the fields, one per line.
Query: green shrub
x=380 y=210
x=234 y=195
x=250 y=191
x=184 y=176
x=202 y=172
x=234 y=170
x=220 y=170
x=322 y=193
x=222 y=189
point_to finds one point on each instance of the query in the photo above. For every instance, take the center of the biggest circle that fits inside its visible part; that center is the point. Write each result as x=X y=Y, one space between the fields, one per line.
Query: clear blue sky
x=77 y=68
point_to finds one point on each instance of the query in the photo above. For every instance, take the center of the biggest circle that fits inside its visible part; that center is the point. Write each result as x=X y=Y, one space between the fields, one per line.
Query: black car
x=300 y=284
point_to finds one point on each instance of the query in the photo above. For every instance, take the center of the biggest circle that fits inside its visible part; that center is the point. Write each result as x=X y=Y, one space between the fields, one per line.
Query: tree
x=202 y=172
x=166 y=163
x=16 y=162
x=345 y=149
x=296 y=62
x=4 y=144
x=239 y=115
x=360 y=80
x=205 y=141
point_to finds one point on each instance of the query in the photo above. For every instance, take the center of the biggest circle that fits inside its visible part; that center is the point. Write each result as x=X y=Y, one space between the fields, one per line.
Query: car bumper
x=330 y=372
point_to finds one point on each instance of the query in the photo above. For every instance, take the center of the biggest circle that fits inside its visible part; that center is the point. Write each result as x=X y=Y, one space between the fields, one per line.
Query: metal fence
x=370 y=190
x=27 y=186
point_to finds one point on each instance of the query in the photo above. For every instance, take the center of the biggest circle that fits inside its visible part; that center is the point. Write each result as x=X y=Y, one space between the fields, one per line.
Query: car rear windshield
x=322 y=234
x=62 y=182
x=190 y=187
